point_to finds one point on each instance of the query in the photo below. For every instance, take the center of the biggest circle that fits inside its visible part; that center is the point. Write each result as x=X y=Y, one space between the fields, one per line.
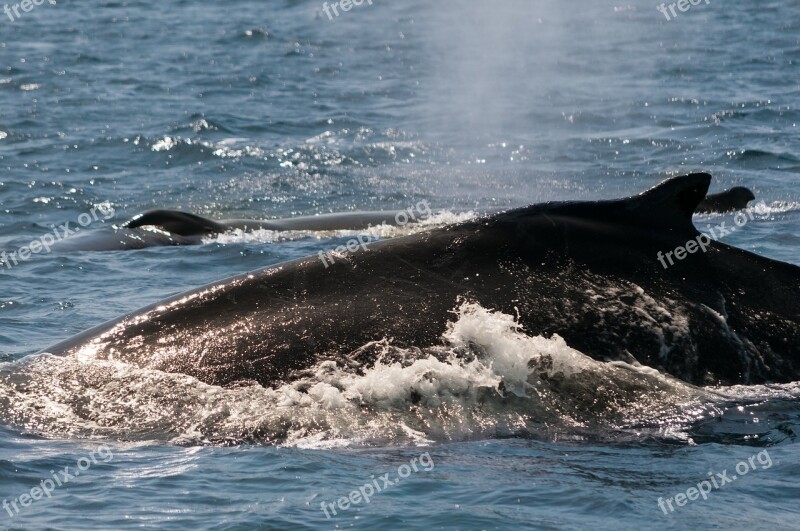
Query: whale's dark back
x=586 y=271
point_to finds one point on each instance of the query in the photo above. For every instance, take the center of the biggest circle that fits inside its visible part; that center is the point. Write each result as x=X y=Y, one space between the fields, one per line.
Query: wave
x=776 y=207
x=761 y=209
x=374 y=232
x=487 y=379
x=330 y=148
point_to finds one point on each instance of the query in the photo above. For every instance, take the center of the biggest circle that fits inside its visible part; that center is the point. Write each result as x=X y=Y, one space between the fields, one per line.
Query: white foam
x=374 y=232
x=760 y=210
x=776 y=207
x=488 y=379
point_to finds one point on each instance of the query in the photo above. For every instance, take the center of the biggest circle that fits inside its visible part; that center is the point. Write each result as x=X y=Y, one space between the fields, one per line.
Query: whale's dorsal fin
x=175 y=222
x=673 y=201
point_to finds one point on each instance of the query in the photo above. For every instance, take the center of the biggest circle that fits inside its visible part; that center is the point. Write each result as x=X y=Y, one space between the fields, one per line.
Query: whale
x=165 y=227
x=735 y=198
x=185 y=224
x=585 y=271
x=157 y=228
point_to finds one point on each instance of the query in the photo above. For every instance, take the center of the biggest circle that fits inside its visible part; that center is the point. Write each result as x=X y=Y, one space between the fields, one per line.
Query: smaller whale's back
x=734 y=199
x=173 y=227
x=175 y=222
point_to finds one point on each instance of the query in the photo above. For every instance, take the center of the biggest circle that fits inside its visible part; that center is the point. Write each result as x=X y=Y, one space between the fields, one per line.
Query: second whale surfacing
x=158 y=228
x=586 y=271
x=736 y=198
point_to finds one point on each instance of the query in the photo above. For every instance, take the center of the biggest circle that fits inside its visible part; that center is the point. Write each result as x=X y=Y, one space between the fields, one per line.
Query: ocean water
x=272 y=109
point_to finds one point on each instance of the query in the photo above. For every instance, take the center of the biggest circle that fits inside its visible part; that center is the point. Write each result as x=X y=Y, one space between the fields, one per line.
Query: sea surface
x=246 y=109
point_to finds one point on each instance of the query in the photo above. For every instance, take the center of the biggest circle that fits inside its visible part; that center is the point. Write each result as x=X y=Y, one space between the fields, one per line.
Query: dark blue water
x=270 y=109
